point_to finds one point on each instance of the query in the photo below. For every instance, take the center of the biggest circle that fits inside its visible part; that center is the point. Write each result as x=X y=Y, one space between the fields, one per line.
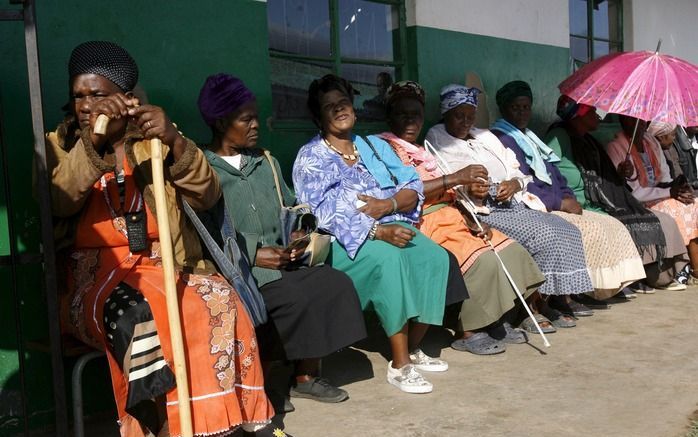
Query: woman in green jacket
x=315 y=310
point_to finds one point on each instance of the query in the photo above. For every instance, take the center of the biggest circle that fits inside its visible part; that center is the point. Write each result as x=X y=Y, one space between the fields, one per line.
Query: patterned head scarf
x=455 y=95
x=405 y=88
x=221 y=95
x=105 y=59
x=512 y=90
x=567 y=108
x=658 y=129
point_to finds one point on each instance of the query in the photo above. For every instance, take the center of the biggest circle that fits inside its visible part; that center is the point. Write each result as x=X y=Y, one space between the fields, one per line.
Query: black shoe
x=590 y=302
x=318 y=389
x=573 y=308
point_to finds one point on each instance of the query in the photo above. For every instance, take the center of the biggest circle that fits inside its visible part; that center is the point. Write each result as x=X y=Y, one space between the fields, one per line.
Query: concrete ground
x=630 y=371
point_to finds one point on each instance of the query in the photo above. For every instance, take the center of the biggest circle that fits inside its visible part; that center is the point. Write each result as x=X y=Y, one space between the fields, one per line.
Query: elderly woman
x=555 y=244
x=491 y=294
x=612 y=258
x=365 y=197
x=596 y=184
x=646 y=172
x=102 y=190
x=314 y=310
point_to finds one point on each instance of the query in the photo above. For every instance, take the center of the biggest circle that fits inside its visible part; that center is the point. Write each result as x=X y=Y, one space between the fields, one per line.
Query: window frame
x=590 y=38
x=399 y=62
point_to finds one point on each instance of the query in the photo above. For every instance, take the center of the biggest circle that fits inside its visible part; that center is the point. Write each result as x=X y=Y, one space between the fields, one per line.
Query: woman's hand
x=154 y=123
x=274 y=257
x=485 y=233
x=395 y=234
x=507 y=189
x=116 y=107
x=682 y=193
x=470 y=175
x=478 y=189
x=571 y=206
x=375 y=208
x=626 y=168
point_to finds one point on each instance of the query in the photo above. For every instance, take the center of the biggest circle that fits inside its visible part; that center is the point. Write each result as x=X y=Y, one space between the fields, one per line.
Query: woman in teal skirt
x=364 y=196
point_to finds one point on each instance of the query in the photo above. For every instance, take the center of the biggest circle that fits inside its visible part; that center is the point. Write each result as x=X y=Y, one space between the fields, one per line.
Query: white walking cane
x=470 y=207
x=175 y=324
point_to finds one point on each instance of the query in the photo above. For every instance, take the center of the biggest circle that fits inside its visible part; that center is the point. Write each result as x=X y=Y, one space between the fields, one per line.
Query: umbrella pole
x=632 y=140
x=171 y=298
x=465 y=201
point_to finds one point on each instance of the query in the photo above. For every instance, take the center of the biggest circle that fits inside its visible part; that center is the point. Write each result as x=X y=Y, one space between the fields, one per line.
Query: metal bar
x=13 y=262
x=621 y=36
x=590 y=29
x=371 y=62
x=34 y=73
x=78 y=420
x=335 y=37
x=294 y=56
x=11 y=15
x=403 y=68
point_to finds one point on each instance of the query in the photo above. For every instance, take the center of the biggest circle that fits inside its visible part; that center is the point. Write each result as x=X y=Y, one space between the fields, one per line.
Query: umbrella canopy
x=645 y=85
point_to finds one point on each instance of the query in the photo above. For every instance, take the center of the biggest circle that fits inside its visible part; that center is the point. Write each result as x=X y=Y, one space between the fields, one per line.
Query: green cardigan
x=252 y=202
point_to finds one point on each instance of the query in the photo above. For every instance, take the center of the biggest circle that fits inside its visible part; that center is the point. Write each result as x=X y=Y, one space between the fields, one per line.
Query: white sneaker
x=407 y=379
x=673 y=286
x=424 y=362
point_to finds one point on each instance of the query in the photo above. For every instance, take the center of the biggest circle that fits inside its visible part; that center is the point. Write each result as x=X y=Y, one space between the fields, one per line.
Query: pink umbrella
x=645 y=85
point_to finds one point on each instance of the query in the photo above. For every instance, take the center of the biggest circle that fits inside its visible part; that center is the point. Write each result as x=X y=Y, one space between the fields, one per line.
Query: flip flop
x=558 y=319
x=508 y=334
x=529 y=326
x=479 y=343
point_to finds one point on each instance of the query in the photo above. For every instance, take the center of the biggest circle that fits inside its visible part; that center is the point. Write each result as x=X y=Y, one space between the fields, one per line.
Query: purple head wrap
x=221 y=95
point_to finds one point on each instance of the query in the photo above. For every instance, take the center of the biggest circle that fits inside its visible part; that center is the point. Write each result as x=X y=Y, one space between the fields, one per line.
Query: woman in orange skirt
x=102 y=193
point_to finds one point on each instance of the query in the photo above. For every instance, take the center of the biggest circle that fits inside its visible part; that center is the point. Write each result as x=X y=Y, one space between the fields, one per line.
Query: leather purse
x=299 y=218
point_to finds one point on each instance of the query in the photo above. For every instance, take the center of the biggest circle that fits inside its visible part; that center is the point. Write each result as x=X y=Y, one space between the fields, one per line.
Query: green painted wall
x=439 y=57
x=176 y=44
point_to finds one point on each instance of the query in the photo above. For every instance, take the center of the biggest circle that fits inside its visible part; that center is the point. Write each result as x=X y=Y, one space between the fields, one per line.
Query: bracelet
x=372 y=231
x=394 y=202
x=443 y=182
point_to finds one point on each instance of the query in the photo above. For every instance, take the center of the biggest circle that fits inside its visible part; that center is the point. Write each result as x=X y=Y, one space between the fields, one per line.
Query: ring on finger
x=148 y=124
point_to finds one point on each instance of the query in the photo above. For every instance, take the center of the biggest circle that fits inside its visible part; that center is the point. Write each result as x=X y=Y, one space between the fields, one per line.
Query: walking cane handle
x=101 y=124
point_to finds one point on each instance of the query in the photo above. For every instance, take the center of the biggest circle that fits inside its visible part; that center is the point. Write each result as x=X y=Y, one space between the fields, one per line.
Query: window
x=596 y=29
x=359 y=40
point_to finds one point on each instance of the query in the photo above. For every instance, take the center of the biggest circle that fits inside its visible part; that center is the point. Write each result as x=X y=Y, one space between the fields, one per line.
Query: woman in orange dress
x=102 y=191
x=484 y=330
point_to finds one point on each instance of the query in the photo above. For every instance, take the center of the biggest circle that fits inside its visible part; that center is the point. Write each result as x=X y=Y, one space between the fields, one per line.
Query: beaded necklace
x=351 y=157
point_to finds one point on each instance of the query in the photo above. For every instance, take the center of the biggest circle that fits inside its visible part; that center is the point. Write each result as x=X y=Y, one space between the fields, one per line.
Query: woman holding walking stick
x=482 y=328
x=102 y=196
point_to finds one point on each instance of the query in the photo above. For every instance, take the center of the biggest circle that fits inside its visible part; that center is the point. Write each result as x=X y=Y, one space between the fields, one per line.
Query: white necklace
x=351 y=157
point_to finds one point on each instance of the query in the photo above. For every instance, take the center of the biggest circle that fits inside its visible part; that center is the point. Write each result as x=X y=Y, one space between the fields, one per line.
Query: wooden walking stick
x=180 y=365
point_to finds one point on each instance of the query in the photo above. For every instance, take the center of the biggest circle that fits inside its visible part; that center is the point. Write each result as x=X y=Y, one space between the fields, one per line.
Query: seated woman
x=612 y=258
x=665 y=134
x=596 y=184
x=646 y=172
x=555 y=244
x=315 y=311
x=491 y=294
x=102 y=190
x=365 y=197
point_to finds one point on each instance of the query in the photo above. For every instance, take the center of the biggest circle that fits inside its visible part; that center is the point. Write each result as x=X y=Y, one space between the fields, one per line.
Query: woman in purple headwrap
x=314 y=311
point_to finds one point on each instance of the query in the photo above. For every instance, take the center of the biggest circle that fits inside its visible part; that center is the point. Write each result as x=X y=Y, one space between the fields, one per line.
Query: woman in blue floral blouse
x=364 y=196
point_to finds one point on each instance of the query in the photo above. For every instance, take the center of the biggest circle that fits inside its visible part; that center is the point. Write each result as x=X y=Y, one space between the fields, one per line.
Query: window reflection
x=365 y=30
x=372 y=82
x=299 y=27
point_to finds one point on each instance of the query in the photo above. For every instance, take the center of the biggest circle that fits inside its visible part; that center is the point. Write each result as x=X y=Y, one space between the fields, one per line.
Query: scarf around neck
x=535 y=150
